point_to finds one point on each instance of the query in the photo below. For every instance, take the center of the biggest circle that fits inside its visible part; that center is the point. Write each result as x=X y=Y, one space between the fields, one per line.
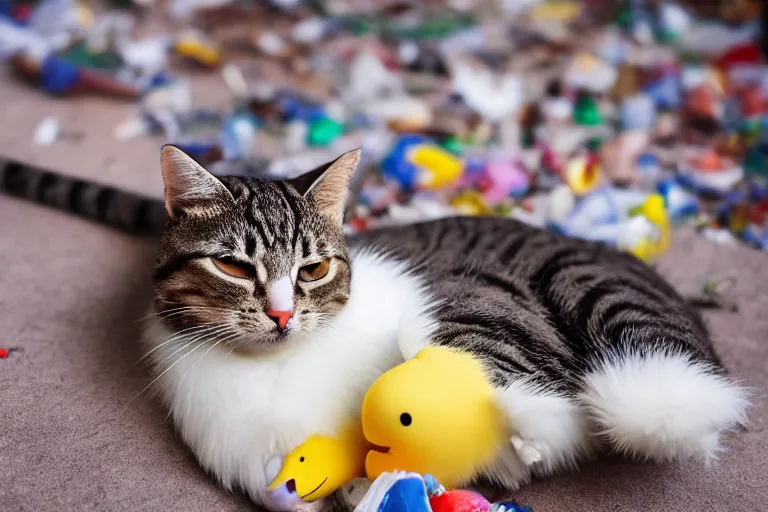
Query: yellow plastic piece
x=322 y=464
x=84 y=15
x=471 y=203
x=440 y=167
x=581 y=176
x=198 y=51
x=434 y=414
x=653 y=210
x=562 y=11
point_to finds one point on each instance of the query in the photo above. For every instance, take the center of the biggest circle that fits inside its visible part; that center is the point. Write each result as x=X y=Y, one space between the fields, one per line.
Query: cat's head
x=249 y=261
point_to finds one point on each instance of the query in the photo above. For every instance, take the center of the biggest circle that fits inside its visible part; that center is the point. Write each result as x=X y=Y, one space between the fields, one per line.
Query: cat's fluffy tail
x=662 y=406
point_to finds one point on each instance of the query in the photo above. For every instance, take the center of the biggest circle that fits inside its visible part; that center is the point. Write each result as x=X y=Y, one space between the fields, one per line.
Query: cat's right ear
x=189 y=188
x=328 y=185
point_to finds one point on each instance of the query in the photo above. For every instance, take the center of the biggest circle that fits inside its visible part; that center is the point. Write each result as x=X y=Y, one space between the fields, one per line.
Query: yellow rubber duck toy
x=322 y=464
x=434 y=414
x=653 y=210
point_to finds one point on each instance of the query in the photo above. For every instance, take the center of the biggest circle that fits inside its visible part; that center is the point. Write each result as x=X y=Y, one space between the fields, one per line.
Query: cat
x=268 y=325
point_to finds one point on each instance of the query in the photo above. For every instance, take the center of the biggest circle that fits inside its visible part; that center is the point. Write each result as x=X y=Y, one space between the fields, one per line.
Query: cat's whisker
x=226 y=337
x=182 y=309
x=217 y=331
x=197 y=329
x=148 y=386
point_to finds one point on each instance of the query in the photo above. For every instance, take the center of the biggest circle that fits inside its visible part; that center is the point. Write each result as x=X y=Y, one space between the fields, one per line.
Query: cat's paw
x=527 y=452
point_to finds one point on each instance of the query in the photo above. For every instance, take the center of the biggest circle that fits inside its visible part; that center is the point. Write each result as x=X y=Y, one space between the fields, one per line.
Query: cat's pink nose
x=280 y=317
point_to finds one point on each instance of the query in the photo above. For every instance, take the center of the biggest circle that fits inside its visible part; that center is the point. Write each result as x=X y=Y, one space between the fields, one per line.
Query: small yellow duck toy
x=320 y=465
x=649 y=248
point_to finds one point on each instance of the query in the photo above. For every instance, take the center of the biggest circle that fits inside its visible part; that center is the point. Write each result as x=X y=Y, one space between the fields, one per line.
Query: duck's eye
x=234 y=268
x=301 y=459
x=405 y=419
x=314 y=271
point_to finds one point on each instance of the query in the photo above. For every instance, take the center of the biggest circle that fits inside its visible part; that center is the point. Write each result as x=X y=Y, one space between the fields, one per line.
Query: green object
x=452 y=145
x=667 y=37
x=635 y=211
x=594 y=144
x=428 y=28
x=432 y=28
x=527 y=139
x=79 y=55
x=755 y=163
x=624 y=18
x=324 y=131
x=586 y=112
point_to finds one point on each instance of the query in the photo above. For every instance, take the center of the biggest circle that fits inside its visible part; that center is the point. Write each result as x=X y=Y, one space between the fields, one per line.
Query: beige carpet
x=73 y=438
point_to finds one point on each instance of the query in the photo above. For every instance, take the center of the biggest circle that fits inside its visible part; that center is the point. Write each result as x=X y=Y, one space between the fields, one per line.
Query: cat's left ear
x=189 y=188
x=328 y=185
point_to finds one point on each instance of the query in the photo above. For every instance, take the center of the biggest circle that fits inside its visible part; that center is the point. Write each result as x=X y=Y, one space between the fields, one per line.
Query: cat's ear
x=188 y=187
x=328 y=185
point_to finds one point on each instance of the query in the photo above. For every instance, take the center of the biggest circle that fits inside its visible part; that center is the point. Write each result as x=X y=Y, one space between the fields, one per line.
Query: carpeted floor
x=74 y=436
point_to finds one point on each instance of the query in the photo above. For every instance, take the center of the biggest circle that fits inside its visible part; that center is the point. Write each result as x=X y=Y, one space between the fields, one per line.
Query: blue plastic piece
x=396 y=165
x=231 y=133
x=295 y=108
x=666 y=92
x=197 y=150
x=510 y=506
x=638 y=112
x=57 y=76
x=755 y=238
x=406 y=495
x=5 y=9
x=160 y=79
x=678 y=201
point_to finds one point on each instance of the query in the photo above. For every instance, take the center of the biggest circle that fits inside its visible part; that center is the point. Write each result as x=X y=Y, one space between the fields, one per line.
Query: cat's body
x=268 y=327
x=498 y=299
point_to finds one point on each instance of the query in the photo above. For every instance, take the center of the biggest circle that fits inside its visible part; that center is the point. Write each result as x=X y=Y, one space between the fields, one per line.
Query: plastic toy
x=434 y=414
x=324 y=131
x=471 y=203
x=319 y=466
x=439 y=167
x=416 y=163
x=502 y=179
x=628 y=219
x=586 y=112
x=709 y=173
x=583 y=174
x=58 y=77
x=649 y=247
x=198 y=50
x=401 y=491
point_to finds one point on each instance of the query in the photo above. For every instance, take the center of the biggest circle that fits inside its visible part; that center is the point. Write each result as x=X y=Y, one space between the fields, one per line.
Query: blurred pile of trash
x=611 y=121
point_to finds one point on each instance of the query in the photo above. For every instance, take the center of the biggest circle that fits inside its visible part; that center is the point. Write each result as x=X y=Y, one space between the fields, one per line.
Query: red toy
x=459 y=501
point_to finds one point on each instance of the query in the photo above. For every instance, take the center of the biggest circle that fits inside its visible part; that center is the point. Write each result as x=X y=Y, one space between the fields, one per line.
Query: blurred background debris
x=612 y=121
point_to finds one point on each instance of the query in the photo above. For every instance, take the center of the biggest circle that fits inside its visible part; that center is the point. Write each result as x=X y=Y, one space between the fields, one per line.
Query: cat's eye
x=314 y=271
x=234 y=268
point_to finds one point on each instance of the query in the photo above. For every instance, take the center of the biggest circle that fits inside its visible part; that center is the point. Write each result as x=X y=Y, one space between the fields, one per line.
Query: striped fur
x=540 y=305
x=123 y=210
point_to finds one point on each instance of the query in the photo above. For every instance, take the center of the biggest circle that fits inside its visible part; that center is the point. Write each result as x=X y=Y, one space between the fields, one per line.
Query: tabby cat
x=268 y=325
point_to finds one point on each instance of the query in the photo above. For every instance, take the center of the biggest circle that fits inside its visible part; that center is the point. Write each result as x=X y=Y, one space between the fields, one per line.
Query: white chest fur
x=237 y=412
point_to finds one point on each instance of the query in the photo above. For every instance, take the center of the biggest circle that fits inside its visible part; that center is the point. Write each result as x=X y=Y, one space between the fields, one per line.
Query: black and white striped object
x=123 y=210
